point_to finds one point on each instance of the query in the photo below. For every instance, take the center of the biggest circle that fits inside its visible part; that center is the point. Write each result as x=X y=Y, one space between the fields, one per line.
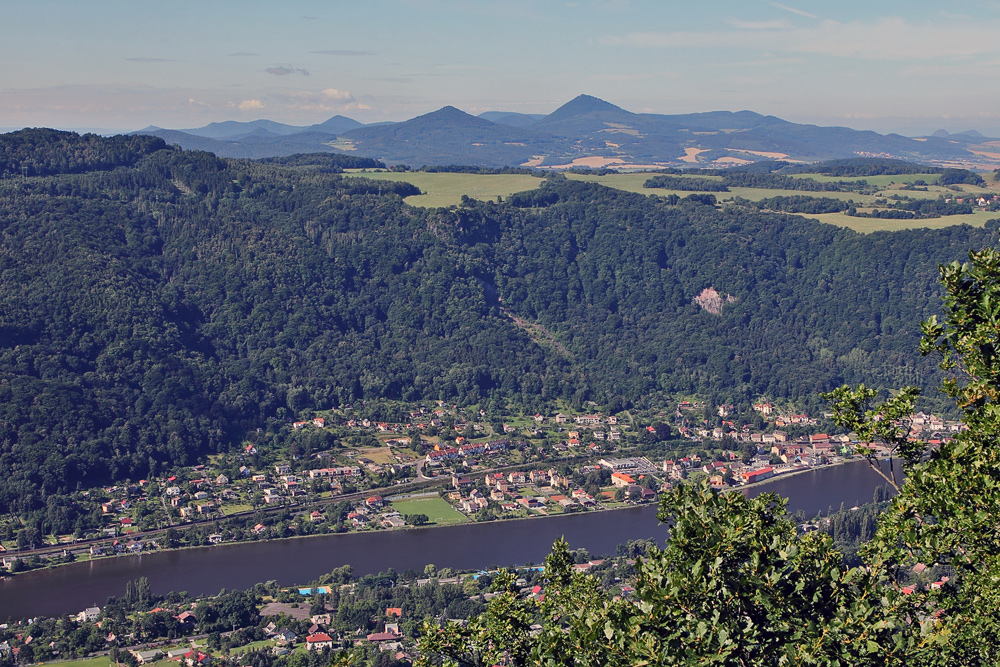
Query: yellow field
x=443 y=189
x=868 y=225
x=447 y=189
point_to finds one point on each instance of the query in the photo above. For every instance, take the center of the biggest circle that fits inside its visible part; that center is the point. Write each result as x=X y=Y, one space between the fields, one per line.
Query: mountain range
x=584 y=132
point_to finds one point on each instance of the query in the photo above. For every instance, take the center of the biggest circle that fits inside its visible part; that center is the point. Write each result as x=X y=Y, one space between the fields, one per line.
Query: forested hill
x=159 y=303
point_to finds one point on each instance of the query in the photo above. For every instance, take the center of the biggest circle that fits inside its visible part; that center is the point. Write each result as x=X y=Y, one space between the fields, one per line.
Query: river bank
x=82 y=556
x=205 y=570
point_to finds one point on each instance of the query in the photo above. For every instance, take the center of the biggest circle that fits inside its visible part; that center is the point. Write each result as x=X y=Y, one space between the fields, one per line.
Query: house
x=146 y=657
x=396 y=612
x=517 y=478
x=89 y=615
x=555 y=479
x=374 y=502
x=319 y=641
x=381 y=637
x=195 y=658
x=622 y=479
x=757 y=475
x=284 y=637
x=938 y=585
x=186 y=620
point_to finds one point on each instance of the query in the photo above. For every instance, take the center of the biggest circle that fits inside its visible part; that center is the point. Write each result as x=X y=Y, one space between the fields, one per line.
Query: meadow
x=437 y=509
x=447 y=189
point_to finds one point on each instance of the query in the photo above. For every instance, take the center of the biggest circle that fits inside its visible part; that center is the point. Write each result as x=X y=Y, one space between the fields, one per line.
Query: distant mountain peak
x=449 y=114
x=585 y=104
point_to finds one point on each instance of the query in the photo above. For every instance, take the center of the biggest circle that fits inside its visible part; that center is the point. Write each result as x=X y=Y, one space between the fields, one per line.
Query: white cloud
x=334 y=94
x=250 y=105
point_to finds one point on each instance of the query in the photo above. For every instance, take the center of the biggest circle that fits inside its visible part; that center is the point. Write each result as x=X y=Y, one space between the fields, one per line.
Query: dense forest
x=157 y=304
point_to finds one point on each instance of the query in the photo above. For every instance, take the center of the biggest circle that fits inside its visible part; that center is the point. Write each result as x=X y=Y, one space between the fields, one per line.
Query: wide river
x=72 y=588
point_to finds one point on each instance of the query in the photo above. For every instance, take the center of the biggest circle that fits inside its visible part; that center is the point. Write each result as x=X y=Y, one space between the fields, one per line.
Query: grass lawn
x=379 y=455
x=233 y=508
x=447 y=189
x=252 y=646
x=99 y=661
x=437 y=510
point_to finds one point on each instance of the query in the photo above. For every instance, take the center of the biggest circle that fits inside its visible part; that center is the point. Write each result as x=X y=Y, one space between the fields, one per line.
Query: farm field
x=437 y=509
x=868 y=225
x=444 y=189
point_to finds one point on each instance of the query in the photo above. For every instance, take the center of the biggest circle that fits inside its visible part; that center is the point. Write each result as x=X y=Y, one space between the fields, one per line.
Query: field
x=379 y=455
x=438 y=510
x=868 y=225
x=99 y=661
x=233 y=508
x=444 y=189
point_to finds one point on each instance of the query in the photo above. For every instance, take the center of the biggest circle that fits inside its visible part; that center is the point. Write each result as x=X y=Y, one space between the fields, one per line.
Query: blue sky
x=910 y=66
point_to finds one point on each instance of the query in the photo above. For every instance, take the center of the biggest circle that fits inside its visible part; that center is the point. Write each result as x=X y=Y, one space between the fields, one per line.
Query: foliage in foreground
x=735 y=583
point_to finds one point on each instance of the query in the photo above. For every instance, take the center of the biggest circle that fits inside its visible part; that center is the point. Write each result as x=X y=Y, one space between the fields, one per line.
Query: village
x=445 y=465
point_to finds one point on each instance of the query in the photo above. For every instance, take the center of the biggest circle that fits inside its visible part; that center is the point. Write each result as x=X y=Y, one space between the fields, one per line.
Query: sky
x=910 y=66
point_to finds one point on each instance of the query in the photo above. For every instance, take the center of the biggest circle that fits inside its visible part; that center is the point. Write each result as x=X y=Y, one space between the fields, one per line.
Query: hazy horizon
x=908 y=67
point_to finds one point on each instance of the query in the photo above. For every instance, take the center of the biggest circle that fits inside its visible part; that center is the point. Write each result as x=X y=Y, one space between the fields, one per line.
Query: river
x=71 y=588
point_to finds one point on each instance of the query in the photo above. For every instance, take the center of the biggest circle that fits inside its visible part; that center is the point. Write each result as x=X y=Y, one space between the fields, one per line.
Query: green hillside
x=158 y=304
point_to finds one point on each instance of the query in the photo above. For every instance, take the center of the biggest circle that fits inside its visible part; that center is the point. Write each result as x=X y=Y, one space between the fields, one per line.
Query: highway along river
x=72 y=588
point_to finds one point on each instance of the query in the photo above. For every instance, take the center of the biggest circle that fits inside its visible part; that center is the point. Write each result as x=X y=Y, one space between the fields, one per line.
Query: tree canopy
x=156 y=305
x=736 y=584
